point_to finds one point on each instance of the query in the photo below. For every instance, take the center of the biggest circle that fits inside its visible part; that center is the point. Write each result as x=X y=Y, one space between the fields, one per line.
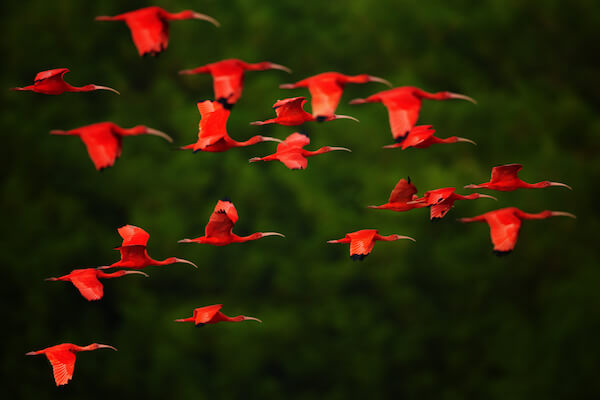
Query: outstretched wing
x=325 y=97
x=203 y=315
x=132 y=235
x=417 y=135
x=361 y=243
x=293 y=140
x=51 y=73
x=291 y=105
x=213 y=123
x=438 y=196
x=88 y=284
x=403 y=192
x=221 y=220
x=135 y=256
x=438 y=211
x=293 y=160
x=103 y=147
x=403 y=116
x=63 y=365
x=228 y=86
x=506 y=172
x=504 y=230
x=150 y=33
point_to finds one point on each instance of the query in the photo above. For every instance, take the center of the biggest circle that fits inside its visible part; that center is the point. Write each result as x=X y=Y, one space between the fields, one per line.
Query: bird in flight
x=440 y=201
x=212 y=315
x=149 y=26
x=228 y=77
x=62 y=359
x=212 y=130
x=291 y=153
x=505 y=224
x=326 y=90
x=403 y=193
x=218 y=231
x=422 y=137
x=404 y=104
x=104 y=140
x=291 y=112
x=362 y=242
x=52 y=82
x=505 y=178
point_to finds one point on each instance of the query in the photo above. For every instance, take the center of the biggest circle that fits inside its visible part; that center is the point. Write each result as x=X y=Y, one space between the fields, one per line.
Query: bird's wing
x=204 y=314
x=403 y=115
x=88 y=284
x=294 y=140
x=103 y=147
x=135 y=256
x=51 y=73
x=291 y=105
x=362 y=244
x=132 y=235
x=438 y=196
x=293 y=160
x=439 y=210
x=149 y=32
x=221 y=220
x=403 y=192
x=418 y=135
x=213 y=123
x=325 y=97
x=504 y=230
x=228 y=86
x=505 y=172
x=63 y=365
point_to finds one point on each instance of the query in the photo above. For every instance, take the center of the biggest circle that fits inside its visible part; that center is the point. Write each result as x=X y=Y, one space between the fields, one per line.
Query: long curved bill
x=380 y=80
x=137 y=272
x=181 y=260
x=561 y=184
x=415 y=201
x=287 y=86
x=273 y=234
x=280 y=67
x=406 y=237
x=252 y=319
x=105 y=346
x=59 y=132
x=271 y=139
x=392 y=146
x=563 y=214
x=462 y=97
x=206 y=18
x=345 y=117
x=158 y=133
x=340 y=148
x=472 y=186
x=96 y=87
x=461 y=139
x=487 y=196
x=358 y=101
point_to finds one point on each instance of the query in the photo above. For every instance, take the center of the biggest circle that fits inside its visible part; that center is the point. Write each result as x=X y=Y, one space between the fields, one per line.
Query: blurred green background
x=442 y=318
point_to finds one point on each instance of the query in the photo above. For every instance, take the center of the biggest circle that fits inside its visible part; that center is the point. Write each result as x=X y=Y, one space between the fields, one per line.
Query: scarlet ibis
x=62 y=359
x=422 y=137
x=104 y=140
x=290 y=112
x=212 y=315
x=134 y=254
x=326 y=90
x=228 y=77
x=51 y=82
x=504 y=178
x=149 y=26
x=88 y=283
x=218 y=231
x=505 y=224
x=440 y=201
x=291 y=153
x=403 y=105
x=212 y=131
x=403 y=193
x=362 y=242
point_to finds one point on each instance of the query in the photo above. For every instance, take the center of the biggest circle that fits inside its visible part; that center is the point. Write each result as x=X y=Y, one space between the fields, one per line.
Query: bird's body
x=422 y=137
x=290 y=112
x=149 y=26
x=52 y=82
x=505 y=178
x=505 y=225
x=212 y=315
x=403 y=193
x=362 y=242
x=440 y=201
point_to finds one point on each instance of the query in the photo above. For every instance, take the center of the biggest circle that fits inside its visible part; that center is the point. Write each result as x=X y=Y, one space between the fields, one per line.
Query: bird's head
x=549 y=183
x=364 y=78
x=95 y=346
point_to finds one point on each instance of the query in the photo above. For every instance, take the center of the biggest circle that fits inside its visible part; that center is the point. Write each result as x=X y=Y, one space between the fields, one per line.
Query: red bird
x=218 y=231
x=291 y=153
x=362 y=242
x=403 y=105
x=403 y=193
x=212 y=315
x=422 y=137
x=440 y=201
x=290 y=112
x=51 y=82
x=134 y=254
x=505 y=224
x=326 y=90
x=62 y=358
x=88 y=283
x=212 y=131
x=149 y=26
x=104 y=140
x=504 y=178
x=228 y=77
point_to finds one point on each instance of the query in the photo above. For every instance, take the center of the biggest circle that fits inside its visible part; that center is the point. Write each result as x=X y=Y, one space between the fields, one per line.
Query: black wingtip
x=321 y=118
x=358 y=257
x=502 y=253
x=400 y=139
x=226 y=105
x=436 y=219
x=408 y=179
x=303 y=132
x=200 y=325
x=227 y=199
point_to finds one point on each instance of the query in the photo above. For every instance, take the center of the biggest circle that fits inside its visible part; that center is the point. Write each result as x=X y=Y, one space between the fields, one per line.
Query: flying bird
x=134 y=254
x=440 y=201
x=403 y=105
x=326 y=90
x=403 y=193
x=52 y=82
x=505 y=224
x=422 y=137
x=88 y=283
x=291 y=153
x=212 y=130
x=362 y=242
x=218 y=231
x=104 y=140
x=290 y=112
x=212 y=315
x=505 y=178
x=149 y=26
x=228 y=77
x=62 y=359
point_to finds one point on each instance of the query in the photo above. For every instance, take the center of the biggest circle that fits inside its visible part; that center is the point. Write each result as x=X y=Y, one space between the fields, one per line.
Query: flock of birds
x=149 y=29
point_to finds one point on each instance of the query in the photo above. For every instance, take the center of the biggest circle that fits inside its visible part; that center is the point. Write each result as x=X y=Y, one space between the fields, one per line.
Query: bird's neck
x=249 y=142
x=241 y=239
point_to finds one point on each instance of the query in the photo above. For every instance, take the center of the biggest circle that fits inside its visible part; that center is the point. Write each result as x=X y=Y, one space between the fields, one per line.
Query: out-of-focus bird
x=212 y=315
x=228 y=77
x=403 y=105
x=440 y=201
x=218 y=231
x=326 y=90
x=290 y=112
x=362 y=242
x=505 y=224
x=62 y=359
x=422 y=137
x=88 y=283
x=149 y=26
x=505 y=178
x=52 y=82
x=104 y=140
x=212 y=130
x=403 y=193
x=134 y=254
x=291 y=153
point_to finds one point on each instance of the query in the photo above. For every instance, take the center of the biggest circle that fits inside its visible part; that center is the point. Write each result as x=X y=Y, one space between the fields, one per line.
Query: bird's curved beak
x=51 y=279
x=59 y=132
x=254 y=159
x=287 y=86
x=460 y=139
x=103 y=18
x=205 y=17
x=137 y=272
x=414 y=202
x=344 y=117
x=271 y=139
x=392 y=146
x=105 y=346
x=358 y=101
x=380 y=80
x=273 y=234
x=561 y=184
x=31 y=353
x=181 y=260
x=461 y=97
x=562 y=214
x=106 y=88
x=405 y=237
x=487 y=196
x=340 y=148
x=471 y=186
x=158 y=133
x=185 y=241
x=252 y=319
x=104 y=267
x=186 y=72
x=280 y=67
